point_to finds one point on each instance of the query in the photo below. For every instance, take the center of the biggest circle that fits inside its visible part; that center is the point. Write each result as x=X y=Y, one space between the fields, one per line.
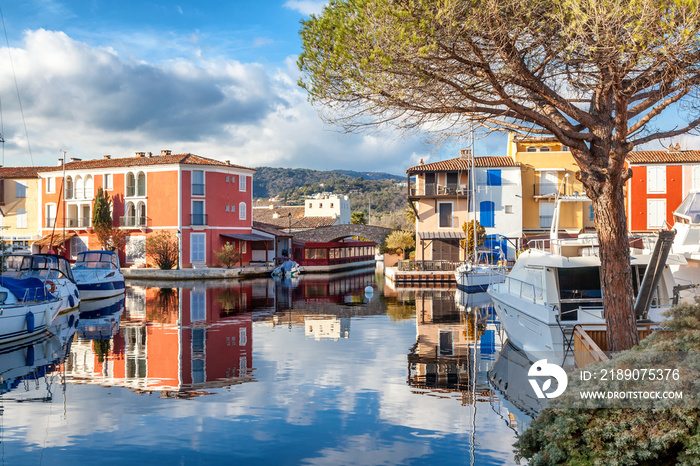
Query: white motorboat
x=98 y=275
x=27 y=308
x=551 y=290
x=687 y=225
x=52 y=270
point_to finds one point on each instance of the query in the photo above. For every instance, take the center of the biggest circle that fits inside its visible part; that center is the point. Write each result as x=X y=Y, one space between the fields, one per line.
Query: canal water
x=310 y=371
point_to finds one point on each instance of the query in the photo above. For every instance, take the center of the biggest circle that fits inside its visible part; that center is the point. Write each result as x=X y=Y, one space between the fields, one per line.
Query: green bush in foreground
x=575 y=432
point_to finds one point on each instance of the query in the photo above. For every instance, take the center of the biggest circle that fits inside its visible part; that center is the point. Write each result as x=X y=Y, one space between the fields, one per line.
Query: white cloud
x=305 y=7
x=91 y=101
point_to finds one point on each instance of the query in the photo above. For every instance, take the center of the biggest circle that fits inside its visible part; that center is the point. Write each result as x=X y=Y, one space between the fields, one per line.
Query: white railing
x=521 y=289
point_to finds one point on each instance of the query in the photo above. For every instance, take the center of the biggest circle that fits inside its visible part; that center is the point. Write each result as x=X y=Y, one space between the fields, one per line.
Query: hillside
x=374 y=192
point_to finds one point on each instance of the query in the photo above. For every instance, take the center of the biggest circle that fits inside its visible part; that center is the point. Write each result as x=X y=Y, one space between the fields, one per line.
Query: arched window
x=69 y=187
x=130 y=217
x=141 y=214
x=242 y=211
x=545 y=149
x=130 y=185
x=89 y=184
x=141 y=184
x=79 y=188
x=532 y=149
x=487 y=214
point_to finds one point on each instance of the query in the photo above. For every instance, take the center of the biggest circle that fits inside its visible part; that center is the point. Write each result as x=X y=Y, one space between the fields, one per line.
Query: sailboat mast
x=473 y=173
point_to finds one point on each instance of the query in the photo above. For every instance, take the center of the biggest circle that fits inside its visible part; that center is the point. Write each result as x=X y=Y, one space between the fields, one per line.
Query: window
x=591 y=214
x=242 y=183
x=331 y=205
x=546 y=214
x=130 y=185
x=508 y=209
x=198 y=215
x=696 y=177
x=198 y=306
x=198 y=243
x=21 y=218
x=656 y=179
x=50 y=215
x=548 y=182
x=242 y=211
x=79 y=188
x=545 y=149
x=445 y=215
x=244 y=247
x=107 y=181
x=21 y=189
x=565 y=148
x=493 y=177
x=51 y=185
x=198 y=183
x=242 y=336
x=233 y=179
x=228 y=209
x=532 y=149
x=88 y=187
x=77 y=245
x=135 y=249
x=69 y=187
x=487 y=214
x=141 y=219
x=141 y=184
x=233 y=208
x=656 y=213
x=227 y=178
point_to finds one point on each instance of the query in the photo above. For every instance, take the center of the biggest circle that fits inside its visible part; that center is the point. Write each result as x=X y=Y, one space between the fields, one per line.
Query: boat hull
x=476 y=280
x=100 y=290
x=21 y=322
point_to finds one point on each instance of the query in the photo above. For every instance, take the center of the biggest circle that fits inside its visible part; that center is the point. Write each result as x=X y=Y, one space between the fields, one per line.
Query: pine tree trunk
x=615 y=270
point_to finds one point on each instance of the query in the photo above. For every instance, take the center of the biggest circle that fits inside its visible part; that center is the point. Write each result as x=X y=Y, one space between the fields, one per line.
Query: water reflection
x=315 y=367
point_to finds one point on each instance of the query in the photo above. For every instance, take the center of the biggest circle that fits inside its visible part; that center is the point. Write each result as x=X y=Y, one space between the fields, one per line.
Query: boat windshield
x=44 y=266
x=690 y=207
x=97 y=260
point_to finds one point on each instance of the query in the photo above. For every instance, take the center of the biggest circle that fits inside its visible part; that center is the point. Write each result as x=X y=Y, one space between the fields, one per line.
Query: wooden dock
x=591 y=345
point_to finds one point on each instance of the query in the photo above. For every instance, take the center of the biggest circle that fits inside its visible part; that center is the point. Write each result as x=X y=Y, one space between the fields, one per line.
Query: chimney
x=60 y=162
x=150 y=154
x=165 y=152
x=107 y=157
x=75 y=159
x=421 y=162
x=140 y=154
x=228 y=162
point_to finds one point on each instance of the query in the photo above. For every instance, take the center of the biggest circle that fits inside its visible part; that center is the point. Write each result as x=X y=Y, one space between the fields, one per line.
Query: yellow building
x=548 y=174
x=19 y=205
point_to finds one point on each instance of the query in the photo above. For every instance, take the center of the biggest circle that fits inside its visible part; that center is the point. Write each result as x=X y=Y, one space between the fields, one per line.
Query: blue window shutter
x=590 y=212
x=493 y=177
x=487 y=214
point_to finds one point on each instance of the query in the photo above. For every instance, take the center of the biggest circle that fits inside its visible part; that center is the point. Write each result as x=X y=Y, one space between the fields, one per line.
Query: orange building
x=204 y=202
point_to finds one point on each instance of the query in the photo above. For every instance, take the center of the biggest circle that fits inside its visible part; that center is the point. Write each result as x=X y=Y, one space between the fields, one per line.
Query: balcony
x=130 y=221
x=549 y=190
x=197 y=189
x=199 y=219
x=435 y=190
x=72 y=222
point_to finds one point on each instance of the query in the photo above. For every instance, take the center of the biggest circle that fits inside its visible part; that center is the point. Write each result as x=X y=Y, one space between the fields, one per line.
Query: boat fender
x=71 y=302
x=29 y=358
x=75 y=292
x=51 y=286
x=71 y=321
x=30 y=321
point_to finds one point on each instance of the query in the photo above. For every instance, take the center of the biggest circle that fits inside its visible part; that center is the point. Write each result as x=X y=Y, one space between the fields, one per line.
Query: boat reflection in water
x=99 y=319
x=37 y=359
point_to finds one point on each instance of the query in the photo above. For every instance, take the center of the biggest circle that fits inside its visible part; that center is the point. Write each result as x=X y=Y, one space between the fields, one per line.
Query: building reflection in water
x=459 y=339
x=176 y=341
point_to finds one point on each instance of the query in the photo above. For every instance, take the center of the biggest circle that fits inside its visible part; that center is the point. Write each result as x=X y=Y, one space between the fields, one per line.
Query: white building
x=328 y=205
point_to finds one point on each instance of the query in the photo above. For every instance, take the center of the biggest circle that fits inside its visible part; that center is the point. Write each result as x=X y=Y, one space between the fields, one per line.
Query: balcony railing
x=130 y=221
x=550 y=189
x=197 y=189
x=199 y=219
x=435 y=189
x=72 y=222
x=50 y=222
x=427 y=266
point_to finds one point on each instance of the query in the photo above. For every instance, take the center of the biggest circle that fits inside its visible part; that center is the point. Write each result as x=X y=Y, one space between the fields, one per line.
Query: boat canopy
x=689 y=209
x=97 y=260
x=43 y=266
x=26 y=289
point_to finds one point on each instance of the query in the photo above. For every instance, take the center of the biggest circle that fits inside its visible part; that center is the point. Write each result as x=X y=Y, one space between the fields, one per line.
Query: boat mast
x=473 y=176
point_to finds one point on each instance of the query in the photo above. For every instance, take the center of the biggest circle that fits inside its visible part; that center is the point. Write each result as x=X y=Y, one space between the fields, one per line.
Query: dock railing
x=427 y=266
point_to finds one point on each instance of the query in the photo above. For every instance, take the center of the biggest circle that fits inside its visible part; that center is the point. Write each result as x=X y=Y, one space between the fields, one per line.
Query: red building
x=204 y=202
x=660 y=182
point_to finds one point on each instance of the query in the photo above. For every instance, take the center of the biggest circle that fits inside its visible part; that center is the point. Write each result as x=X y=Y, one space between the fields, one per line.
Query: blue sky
x=214 y=78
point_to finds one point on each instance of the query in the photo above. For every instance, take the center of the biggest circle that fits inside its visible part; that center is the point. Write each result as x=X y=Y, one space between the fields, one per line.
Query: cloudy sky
x=215 y=78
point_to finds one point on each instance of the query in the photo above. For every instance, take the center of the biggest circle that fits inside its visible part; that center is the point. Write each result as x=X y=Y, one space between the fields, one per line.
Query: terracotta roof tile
x=463 y=163
x=23 y=172
x=662 y=156
x=125 y=162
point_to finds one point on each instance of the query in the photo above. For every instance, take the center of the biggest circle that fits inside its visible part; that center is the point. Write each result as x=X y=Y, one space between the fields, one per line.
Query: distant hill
x=368 y=191
x=270 y=182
